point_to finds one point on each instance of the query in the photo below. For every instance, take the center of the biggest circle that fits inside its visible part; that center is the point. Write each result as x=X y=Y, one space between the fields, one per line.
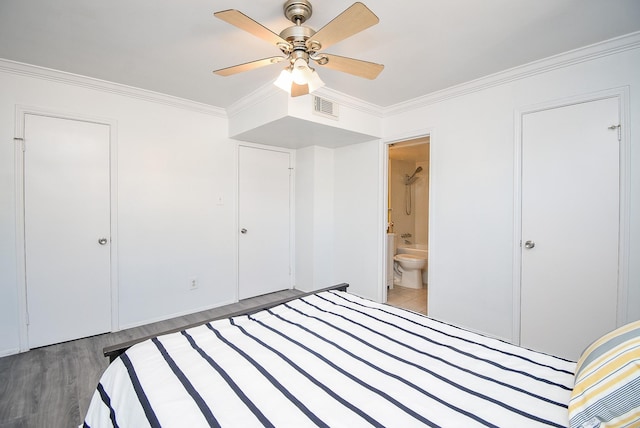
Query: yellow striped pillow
x=607 y=381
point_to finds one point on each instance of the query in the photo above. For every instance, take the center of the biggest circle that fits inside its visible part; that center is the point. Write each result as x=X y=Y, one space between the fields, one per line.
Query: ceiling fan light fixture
x=284 y=80
x=299 y=44
x=314 y=82
x=299 y=74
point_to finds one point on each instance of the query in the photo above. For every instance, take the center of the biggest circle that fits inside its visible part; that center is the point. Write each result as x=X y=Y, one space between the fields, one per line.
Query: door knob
x=529 y=245
x=103 y=241
x=243 y=230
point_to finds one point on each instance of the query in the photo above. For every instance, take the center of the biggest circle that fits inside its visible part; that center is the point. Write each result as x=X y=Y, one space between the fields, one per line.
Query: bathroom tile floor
x=408 y=298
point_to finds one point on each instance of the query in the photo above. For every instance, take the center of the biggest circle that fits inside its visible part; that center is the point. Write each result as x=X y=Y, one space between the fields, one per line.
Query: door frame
x=622 y=94
x=384 y=204
x=292 y=205
x=20 y=112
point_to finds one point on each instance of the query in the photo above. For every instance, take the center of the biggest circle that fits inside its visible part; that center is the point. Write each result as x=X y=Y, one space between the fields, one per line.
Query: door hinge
x=617 y=127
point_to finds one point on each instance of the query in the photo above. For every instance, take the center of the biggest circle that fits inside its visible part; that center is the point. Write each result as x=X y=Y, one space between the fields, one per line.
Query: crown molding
x=29 y=70
x=576 y=56
x=349 y=101
x=269 y=90
x=259 y=95
x=588 y=53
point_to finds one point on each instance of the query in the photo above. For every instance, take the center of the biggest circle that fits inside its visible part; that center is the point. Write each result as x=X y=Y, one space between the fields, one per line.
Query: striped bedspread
x=331 y=359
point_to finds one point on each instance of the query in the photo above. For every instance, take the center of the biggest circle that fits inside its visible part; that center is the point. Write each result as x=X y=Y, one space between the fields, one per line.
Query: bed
x=331 y=359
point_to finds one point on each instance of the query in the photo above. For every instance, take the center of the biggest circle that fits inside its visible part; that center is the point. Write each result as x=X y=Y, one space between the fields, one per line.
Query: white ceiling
x=171 y=46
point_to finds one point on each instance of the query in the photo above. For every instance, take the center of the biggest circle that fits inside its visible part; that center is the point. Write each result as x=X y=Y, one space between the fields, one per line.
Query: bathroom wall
x=416 y=223
x=403 y=223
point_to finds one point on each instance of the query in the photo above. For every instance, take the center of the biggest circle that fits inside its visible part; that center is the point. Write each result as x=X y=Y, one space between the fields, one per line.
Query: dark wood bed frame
x=114 y=351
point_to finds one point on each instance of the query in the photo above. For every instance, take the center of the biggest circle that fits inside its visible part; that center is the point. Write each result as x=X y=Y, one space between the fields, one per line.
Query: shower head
x=410 y=179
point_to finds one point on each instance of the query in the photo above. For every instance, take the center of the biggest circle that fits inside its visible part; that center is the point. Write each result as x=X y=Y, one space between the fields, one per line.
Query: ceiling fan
x=300 y=44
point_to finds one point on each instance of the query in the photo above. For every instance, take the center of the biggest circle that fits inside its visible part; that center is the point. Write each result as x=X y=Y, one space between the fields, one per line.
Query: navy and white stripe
x=332 y=359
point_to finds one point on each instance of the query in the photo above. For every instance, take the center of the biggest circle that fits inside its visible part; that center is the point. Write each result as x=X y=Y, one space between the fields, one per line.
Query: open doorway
x=408 y=224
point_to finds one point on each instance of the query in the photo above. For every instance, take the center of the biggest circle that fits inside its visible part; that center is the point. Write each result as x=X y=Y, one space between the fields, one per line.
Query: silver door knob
x=529 y=245
x=103 y=241
x=243 y=230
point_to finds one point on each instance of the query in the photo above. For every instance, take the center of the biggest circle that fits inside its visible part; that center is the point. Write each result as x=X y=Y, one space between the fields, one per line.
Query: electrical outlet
x=193 y=283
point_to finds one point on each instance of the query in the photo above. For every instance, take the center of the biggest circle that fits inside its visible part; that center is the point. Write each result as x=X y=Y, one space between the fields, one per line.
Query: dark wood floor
x=52 y=386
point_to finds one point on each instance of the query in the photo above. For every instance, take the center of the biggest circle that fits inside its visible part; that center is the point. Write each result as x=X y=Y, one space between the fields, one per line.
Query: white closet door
x=264 y=220
x=67 y=212
x=570 y=213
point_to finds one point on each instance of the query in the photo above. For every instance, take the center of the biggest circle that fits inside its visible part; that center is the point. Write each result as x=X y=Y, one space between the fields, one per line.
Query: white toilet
x=411 y=268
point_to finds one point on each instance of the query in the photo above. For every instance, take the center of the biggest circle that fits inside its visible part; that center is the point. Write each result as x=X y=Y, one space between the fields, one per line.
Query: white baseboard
x=7 y=352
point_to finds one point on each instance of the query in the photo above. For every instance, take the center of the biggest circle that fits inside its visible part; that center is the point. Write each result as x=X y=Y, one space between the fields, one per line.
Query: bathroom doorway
x=408 y=224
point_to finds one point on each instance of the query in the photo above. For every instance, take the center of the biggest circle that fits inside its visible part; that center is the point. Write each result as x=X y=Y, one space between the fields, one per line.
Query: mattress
x=331 y=359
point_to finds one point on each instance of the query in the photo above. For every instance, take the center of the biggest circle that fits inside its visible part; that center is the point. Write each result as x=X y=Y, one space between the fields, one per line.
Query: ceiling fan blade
x=242 y=21
x=357 y=67
x=354 y=19
x=297 y=90
x=248 y=66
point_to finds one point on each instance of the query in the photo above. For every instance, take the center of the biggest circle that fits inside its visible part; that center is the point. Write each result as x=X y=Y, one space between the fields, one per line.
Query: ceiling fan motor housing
x=297 y=36
x=300 y=44
x=297 y=11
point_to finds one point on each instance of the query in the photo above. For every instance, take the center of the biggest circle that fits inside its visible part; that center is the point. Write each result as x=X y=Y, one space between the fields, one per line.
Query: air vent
x=325 y=107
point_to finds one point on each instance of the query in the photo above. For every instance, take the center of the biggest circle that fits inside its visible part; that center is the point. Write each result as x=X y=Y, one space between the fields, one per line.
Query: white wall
x=338 y=217
x=314 y=174
x=471 y=257
x=421 y=203
x=358 y=218
x=173 y=162
x=360 y=120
